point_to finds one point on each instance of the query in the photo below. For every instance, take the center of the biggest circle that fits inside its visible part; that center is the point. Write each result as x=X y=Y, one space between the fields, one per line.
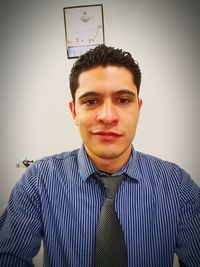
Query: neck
x=110 y=165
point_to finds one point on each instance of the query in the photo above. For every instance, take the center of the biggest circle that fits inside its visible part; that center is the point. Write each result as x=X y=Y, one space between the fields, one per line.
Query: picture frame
x=84 y=28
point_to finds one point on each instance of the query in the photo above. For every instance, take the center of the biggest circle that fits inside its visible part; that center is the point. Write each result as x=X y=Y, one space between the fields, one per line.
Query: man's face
x=106 y=109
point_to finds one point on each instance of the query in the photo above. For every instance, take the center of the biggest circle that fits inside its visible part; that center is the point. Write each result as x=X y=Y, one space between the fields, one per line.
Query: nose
x=107 y=113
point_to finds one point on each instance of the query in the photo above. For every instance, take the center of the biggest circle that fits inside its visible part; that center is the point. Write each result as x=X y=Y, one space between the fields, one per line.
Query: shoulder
x=167 y=177
x=153 y=162
x=60 y=156
x=57 y=159
x=52 y=167
x=161 y=171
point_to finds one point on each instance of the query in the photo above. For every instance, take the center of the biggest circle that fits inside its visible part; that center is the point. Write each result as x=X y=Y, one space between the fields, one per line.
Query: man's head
x=106 y=106
x=104 y=56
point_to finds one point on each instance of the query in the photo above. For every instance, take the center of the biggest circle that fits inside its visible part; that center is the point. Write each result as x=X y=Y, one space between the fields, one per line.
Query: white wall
x=35 y=121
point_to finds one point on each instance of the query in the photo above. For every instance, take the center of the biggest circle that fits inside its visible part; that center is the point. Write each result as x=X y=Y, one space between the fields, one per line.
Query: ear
x=140 y=106
x=140 y=103
x=73 y=110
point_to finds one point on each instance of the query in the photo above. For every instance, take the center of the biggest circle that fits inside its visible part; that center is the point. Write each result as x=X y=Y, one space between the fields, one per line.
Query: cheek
x=86 y=117
x=84 y=121
x=131 y=117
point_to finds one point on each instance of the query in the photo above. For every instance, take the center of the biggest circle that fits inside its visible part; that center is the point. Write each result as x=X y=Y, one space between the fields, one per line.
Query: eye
x=90 y=102
x=123 y=101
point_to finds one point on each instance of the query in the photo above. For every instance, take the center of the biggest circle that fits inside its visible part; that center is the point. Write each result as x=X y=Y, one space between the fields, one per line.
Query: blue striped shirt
x=59 y=200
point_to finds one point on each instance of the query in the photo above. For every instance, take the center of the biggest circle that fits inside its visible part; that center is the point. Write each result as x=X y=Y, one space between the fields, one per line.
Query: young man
x=59 y=198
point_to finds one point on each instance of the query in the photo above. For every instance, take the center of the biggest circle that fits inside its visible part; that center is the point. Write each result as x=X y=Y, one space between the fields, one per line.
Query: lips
x=107 y=135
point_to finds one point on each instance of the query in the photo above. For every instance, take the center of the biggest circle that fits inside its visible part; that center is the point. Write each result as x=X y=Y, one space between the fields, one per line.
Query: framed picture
x=84 y=28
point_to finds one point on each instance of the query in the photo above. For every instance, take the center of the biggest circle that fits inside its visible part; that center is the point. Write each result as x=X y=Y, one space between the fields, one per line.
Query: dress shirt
x=58 y=201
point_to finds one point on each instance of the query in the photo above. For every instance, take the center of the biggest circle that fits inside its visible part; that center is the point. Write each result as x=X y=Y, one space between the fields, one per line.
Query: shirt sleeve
x=188 y=237
x=20 y=223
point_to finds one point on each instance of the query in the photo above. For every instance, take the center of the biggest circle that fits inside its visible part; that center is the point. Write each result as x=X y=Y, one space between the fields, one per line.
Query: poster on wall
x=84 y=28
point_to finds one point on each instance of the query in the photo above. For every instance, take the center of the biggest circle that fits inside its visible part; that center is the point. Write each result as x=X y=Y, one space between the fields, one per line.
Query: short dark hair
x=103 y=55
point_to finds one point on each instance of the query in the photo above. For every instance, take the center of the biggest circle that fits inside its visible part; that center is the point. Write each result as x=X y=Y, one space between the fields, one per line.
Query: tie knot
x=110 y=184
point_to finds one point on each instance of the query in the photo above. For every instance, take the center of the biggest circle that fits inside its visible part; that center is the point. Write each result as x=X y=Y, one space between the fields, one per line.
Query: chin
x=108 y=154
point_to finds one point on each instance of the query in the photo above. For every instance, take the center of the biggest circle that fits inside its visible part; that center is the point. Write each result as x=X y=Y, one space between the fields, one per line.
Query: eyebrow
x=89 y=94
x=120 y=92
x=126 y=92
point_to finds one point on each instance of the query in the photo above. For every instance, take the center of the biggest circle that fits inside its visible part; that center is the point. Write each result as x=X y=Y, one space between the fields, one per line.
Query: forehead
x=106 y=72
x=106 y=80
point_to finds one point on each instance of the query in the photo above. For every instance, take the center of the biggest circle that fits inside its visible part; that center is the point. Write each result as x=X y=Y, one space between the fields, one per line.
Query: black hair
x=103 y=55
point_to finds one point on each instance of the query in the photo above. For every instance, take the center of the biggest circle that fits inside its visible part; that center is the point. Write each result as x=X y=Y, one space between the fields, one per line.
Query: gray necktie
x=110 y=245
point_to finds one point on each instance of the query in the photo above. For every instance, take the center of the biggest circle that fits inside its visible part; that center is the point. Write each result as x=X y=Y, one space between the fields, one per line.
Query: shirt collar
x=87 y=167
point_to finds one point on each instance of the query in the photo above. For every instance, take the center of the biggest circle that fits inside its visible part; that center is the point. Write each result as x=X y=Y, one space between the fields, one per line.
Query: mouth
x=107 y=135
